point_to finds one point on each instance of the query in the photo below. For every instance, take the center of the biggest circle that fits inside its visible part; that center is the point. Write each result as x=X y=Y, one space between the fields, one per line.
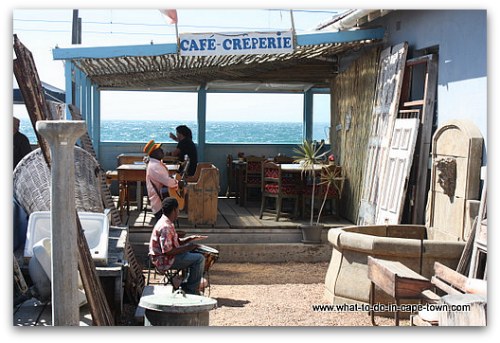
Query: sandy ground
x=276 y=295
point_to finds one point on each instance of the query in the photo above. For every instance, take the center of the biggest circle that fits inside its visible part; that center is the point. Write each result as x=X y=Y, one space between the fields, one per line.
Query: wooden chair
x=125 y=189
x=253 y=176
x=333 y=193
x=199 y=167
x=279 y=186
x=202 y=197
x=230 y=176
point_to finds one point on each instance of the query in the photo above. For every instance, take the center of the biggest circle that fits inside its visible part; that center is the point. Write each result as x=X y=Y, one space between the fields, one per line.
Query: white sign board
x=249 y=43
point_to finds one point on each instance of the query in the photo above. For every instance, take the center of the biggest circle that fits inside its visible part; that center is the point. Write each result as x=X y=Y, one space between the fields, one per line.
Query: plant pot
x=311 y=234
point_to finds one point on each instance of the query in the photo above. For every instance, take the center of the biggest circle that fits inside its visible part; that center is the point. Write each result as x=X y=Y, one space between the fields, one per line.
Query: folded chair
x=173 y=277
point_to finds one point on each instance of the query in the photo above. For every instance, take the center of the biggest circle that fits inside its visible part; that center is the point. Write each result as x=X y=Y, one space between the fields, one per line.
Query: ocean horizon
x=216 y=131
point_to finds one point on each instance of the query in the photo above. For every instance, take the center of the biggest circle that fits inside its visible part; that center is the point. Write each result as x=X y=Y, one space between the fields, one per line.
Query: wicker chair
x=32 y=182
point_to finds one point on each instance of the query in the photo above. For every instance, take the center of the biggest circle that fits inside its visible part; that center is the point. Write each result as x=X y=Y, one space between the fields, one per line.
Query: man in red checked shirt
x=168 y=251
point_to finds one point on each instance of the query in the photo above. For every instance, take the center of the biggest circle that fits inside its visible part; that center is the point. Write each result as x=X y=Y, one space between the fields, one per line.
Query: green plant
x=331 y=177
x=307 y=155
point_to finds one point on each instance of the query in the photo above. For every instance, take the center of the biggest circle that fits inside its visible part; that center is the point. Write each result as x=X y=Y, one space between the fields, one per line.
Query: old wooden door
x=392 y=187
x=386 y=105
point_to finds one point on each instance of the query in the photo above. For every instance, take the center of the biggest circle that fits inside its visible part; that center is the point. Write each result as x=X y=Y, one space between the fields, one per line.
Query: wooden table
x=130 y=158
x=395 y=279
x=297 y=168
x=135 y=172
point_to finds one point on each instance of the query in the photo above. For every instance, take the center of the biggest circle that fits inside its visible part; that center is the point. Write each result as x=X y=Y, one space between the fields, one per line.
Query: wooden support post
x=62 y=136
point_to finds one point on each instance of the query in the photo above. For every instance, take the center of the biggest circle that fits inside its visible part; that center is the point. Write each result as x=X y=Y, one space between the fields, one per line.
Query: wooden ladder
x=422 y=108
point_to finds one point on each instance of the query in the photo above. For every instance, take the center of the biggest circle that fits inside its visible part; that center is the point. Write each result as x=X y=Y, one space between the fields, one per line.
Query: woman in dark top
x=185 y=146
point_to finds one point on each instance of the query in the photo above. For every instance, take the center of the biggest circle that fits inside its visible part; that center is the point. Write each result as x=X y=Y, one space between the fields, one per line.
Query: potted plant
x=309 y=154
x=332 y=177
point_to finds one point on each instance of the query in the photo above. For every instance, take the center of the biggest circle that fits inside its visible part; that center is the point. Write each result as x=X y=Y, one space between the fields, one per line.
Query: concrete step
x=262 y=235
x=260 y=252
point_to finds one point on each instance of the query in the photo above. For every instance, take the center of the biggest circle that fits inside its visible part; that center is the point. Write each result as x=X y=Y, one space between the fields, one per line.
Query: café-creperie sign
x=210 y=44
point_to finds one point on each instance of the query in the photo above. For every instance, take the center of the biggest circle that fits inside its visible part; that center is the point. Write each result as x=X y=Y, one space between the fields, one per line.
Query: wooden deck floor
x=233 y=216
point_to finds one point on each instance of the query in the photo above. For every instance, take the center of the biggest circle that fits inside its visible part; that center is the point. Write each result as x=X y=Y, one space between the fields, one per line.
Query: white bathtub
x=95 y=227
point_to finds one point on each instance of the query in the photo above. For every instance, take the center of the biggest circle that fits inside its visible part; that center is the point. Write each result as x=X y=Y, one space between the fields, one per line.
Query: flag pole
x=177 y=37
x=293 y=30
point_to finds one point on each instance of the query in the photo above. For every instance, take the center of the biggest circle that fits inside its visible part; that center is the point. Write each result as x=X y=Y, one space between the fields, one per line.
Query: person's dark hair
x=185 y=131
x=168 y=205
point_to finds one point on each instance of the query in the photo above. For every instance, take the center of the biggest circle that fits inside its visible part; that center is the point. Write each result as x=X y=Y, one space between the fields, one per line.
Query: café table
x=297 y=168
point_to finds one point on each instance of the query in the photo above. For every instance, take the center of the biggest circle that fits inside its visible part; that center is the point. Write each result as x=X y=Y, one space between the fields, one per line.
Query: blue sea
x=216 y=132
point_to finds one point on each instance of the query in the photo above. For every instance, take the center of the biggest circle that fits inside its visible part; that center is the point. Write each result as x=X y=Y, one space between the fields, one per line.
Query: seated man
x=168 y=251
x=157 y=177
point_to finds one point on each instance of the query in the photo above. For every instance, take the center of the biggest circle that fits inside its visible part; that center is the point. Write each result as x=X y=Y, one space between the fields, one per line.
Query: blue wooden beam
x=171 y=48
x=308 y=116
x=202 y=122
x=339 y=37
x=114 y=51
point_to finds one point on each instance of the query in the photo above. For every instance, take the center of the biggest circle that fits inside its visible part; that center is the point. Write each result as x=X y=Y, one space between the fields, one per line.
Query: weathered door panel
x=386 y=104
x=392 y=187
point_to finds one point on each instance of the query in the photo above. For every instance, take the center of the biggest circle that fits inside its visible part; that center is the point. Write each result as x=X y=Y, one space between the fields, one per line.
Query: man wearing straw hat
x=157 y=177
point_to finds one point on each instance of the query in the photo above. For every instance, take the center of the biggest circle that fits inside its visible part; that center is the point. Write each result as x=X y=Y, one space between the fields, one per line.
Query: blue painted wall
x=461 y=36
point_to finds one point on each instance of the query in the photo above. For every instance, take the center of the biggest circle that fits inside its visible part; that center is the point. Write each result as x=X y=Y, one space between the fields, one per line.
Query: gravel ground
x=276 y=295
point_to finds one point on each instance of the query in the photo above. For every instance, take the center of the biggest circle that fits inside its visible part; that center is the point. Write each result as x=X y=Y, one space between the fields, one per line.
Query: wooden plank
x=449 y=276
x=229 y=213
x=425 y=139
x=413 y=103
x=381 y=276
x=396 y=279
x=444 y=286
x=247 y=218
x=410 y=287
x=430 y=297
